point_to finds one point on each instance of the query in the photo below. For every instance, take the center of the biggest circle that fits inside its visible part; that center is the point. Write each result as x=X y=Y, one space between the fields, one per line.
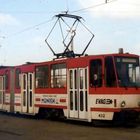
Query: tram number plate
x=101 y=115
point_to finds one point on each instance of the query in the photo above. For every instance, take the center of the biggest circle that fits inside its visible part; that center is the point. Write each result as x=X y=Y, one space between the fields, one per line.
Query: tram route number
x=101 y=115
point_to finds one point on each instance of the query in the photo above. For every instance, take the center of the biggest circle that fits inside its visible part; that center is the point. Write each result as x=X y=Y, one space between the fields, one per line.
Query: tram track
x=24 y=127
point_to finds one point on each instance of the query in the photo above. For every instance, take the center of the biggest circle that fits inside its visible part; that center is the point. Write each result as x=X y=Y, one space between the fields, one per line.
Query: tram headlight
x=123 y=104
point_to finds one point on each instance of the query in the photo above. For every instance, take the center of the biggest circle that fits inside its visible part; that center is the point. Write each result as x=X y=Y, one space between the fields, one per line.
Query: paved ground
x=27 y=128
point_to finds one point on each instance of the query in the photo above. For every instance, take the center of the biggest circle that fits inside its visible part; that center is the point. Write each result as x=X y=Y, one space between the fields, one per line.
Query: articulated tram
x=74 y=86
x=86 y=88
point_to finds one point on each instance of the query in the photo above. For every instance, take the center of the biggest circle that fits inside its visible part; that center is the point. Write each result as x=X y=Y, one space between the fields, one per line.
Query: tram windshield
x=128 y=71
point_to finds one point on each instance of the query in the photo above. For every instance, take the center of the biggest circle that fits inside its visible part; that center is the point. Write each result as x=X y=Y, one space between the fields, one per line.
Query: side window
x=1 y=84
x=17 y=80
x=110 y=77
x=58 y=76
x=96 y=73
x=42 y=77
x=6 y=79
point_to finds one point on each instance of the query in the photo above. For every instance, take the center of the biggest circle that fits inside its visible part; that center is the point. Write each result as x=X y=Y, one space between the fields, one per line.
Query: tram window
x=138 y=75
x=71 y=79
x=58 y=76
x=76 y=100
x=24 y=81
x=24 y=98
x=1 y=83
x=71 y=100
x=17 y=80
x=110 y=72
x=6 y=80
x=85 y=78
x=42 y=77
x=96 y=73
x=81 y=79
x=30 y=78
x=1 y=89
x=31 y=98
x=75 y=77
x=81 y=101
x=86 y=102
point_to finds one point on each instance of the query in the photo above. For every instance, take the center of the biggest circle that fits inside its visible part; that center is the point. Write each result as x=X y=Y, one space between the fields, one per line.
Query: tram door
x=78 y=93
x=2 y=91
x=27 y=93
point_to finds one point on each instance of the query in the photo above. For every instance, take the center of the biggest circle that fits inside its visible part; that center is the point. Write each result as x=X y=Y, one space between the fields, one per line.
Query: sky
x=25 y=24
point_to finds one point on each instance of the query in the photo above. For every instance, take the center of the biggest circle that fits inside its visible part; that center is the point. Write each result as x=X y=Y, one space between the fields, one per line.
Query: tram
x=74 y=86
x=84 y=88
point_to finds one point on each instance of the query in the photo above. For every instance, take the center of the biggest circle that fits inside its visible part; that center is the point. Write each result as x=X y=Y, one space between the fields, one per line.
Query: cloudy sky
x=24 y=25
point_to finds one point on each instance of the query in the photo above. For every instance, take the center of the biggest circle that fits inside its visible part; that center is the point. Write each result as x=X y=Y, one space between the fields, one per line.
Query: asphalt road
x=28 y=128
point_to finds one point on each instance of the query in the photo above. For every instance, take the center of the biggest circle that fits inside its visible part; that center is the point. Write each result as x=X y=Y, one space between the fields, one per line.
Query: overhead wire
x=44 y=22
x=30 y=28
x=93 y=6
x=28 y=12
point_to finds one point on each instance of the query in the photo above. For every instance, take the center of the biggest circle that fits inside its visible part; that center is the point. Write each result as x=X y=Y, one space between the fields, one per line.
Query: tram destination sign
x=104 y=101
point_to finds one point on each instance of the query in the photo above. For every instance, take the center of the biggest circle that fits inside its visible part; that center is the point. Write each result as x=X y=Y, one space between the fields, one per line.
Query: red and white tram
x=74 y=86
x=91 y=87
x=87 y=88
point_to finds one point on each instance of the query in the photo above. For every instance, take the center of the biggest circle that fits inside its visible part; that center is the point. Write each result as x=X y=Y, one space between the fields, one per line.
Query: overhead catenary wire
x=25 y=12
x=30 y=28
x=93 y=6
x=47 y=21
x=67 y=7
